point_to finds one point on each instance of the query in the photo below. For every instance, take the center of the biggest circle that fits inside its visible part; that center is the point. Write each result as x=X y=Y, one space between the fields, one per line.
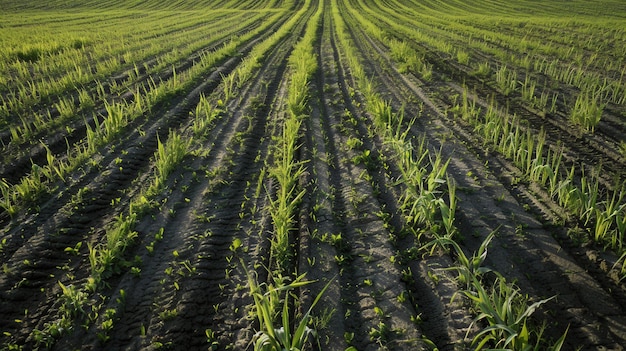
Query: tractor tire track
x=348 y=238
x=14 y=170
x=58 y=215
x=210 y=296
x=524 y=251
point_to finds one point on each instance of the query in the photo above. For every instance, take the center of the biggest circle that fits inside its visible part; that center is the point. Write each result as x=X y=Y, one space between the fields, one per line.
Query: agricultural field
x=313 y=174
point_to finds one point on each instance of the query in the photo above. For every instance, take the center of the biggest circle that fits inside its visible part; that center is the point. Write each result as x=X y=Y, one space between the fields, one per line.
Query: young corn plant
x=276 y=333
x=506 y=314
x=587 y=111
x=506 y=80
x=73 y=303
x=229 y=85
x=204 y=116
x=85 y=100
x=462 y=57
x=424 y=188
x=408 y=60
x=469 y=267
x=54 y=168
x=66 y=108
x=115 y=120
x=105 y=257
x=468 y=110
x=8 y=201
x=528 y=90
x=31 y=185
x=448 y=210
x=297 y=98
x=168 y=156
x=501 y=308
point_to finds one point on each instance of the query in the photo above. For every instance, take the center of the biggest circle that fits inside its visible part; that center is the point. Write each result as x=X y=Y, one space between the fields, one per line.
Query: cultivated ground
x=104 y=247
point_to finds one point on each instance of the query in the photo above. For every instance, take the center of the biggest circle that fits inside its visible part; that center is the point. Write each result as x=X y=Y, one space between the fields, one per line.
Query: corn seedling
x=506 y=80
x=462 y=57
x=8 y=201
x=506 y=313
x=66 y=108
x=204 y=116
x=267 y=301
x=587 y=111
x=168 y=156
x=469 y=267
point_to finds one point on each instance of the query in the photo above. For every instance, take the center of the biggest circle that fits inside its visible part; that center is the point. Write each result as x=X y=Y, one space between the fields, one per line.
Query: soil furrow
x=103 y=189
x=523 y=251
x=58 y=145
x=209 y=292
x=375 y=309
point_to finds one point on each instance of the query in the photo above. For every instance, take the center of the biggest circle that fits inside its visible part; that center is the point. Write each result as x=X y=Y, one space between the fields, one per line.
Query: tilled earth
x=188 y=288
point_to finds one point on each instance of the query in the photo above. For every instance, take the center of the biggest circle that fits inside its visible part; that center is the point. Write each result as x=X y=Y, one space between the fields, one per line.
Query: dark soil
x=182 y=283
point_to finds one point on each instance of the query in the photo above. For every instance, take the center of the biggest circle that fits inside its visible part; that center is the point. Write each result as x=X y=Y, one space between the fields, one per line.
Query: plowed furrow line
x=522 y=246
x=58 y=143
x=103 y=191
x=220 y=209
x=375 y=315
x=444 y=322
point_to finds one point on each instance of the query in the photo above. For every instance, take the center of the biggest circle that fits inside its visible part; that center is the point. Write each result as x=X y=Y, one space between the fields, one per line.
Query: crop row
x=582 y=88
x=106 y=254
x=286 y=170
x=425 y=210
x=602 y=210
x=117 y=116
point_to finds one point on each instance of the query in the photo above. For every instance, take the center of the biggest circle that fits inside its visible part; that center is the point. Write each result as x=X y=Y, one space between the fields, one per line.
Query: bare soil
x=189 y=289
